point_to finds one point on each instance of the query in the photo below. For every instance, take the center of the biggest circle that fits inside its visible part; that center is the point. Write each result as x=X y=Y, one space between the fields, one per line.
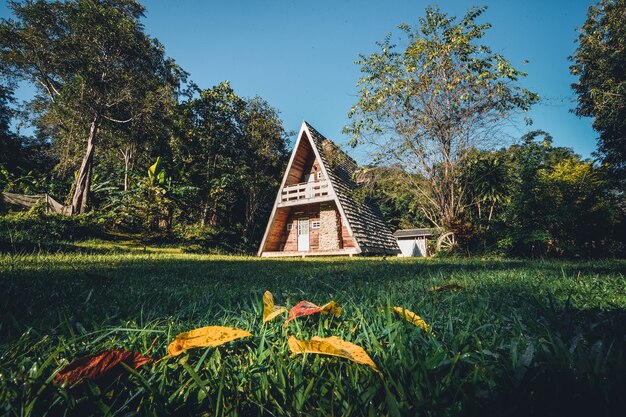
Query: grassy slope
x=523 y=338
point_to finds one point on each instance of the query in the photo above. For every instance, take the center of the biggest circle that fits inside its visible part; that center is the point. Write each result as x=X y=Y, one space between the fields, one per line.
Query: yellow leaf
x=332 y=346
x=270 y=311
x=411 y=317
x=209 y=336
x=331 y=308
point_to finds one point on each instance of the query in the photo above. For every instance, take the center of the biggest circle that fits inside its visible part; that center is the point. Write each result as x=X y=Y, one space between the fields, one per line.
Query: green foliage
x=600 y=62
x=561 y=205
x=234 y=151
x=97 y=73
x=428 y=105
x=537 y=199
x=156 y=173
x=394 y=191
x=150 y=207
x=103 y=83
x=39 y=230
x=522 y=338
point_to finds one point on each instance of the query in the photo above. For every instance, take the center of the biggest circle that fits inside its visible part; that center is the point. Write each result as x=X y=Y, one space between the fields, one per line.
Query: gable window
x=315 y=224
x=319 y=175
x=290 y=226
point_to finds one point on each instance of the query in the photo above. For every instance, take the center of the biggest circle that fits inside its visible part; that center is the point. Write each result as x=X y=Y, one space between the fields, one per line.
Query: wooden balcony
x=305 y=193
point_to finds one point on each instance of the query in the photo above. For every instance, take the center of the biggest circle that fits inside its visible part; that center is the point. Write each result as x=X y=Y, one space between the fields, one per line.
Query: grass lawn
x=522 y=337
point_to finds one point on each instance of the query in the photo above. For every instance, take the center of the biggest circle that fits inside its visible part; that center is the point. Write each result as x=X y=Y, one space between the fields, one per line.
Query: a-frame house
x=316 y=212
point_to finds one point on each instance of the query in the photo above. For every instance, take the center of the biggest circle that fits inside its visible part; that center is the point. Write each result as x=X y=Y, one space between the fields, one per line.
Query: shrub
x=36 y=228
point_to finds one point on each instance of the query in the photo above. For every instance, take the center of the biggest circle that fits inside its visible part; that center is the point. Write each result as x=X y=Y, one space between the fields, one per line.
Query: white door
x=303 y=235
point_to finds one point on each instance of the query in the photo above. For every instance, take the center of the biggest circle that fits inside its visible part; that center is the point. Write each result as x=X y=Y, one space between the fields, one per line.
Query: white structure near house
x=413 y=242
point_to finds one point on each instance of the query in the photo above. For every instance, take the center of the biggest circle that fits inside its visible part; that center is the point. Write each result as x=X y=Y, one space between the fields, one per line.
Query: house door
x=303 y=235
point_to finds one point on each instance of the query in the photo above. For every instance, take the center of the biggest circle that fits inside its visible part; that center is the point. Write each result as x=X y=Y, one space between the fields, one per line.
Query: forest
x=132 y=148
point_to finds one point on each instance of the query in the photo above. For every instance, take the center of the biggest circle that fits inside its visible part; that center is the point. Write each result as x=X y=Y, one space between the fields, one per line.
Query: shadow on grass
x=577 y=364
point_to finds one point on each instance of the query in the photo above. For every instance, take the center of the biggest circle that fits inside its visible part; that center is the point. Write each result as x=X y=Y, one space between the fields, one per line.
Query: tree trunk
x=83 y=180
x=85 y=199
x=214 y=219
x=205 y=213
x=127 y=154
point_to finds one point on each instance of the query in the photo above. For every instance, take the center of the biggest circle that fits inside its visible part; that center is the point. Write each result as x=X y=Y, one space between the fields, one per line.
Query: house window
x=290 y=226
x=319 y=175
x=315 y=225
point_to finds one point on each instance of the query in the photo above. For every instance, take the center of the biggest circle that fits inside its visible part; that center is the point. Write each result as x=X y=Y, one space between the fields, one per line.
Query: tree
x=600 y=64
x=9 y=144
x=560 y=204
x=489 y=182
x=428 y=106
x=23 y=160
x=94 y=68
x=266 y=145
x=393 y=190
x=233 y=150
x=207 y=150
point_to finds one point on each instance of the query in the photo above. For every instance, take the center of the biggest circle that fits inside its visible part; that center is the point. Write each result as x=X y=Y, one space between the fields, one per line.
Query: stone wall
x=330 y=227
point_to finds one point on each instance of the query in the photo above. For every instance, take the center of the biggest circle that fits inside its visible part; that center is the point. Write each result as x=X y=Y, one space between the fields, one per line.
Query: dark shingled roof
x=413 y=232
x=366 y=221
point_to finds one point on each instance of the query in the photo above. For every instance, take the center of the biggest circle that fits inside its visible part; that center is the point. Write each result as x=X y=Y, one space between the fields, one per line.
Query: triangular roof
x=363 y=219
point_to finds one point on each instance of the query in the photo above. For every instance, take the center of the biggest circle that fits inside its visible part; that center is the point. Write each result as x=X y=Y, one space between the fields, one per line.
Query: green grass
x=522 y=338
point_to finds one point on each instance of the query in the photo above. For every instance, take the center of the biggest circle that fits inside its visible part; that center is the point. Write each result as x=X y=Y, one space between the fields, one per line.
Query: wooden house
x=316 y=211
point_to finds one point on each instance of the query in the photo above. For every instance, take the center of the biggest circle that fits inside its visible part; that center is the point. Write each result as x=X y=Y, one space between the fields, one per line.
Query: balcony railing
x=304 y=191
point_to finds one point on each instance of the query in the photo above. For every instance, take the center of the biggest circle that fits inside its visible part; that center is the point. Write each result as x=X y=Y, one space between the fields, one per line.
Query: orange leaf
x=306 y=308
x=209 y=336
x=96 y=366
x=411 y=317
x=450 y=287
x=270 y=311
x=332 y=346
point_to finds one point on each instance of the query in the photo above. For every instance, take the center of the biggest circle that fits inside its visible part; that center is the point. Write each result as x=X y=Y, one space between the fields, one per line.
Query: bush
x=209 y=239
x=35 y=228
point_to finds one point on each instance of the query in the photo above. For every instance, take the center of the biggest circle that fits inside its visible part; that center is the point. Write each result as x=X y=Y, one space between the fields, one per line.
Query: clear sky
x=299 y=55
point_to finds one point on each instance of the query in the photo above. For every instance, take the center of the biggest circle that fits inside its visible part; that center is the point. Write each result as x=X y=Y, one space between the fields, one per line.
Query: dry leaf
x=270 y=311
x=411 y=317
x=450 y=287
x=332 y=346
x=98 y=365
x=306 y=308
x=209 y=336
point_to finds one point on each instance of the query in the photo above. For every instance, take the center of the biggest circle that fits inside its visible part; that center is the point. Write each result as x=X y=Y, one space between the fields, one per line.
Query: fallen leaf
x=306 y=308
x=270 y=311
x=209 y=336
x=411 y=317
x=332 y=346
x=450 y=287
x=101 y=364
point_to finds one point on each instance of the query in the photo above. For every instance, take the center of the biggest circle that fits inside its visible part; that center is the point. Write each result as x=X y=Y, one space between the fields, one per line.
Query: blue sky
x=299 y=55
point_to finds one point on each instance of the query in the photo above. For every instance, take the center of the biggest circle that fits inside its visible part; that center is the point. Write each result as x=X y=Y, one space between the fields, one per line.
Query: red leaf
x=101 y=364
x=306 y=308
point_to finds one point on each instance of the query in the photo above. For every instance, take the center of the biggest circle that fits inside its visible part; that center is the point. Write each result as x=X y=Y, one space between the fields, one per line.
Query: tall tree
x=208 y=149
x=266 y=158
x=9 y=145
x=93 y=65
x=560 y=204
x=600 y=64
x=233 y=150
x=427 y=106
